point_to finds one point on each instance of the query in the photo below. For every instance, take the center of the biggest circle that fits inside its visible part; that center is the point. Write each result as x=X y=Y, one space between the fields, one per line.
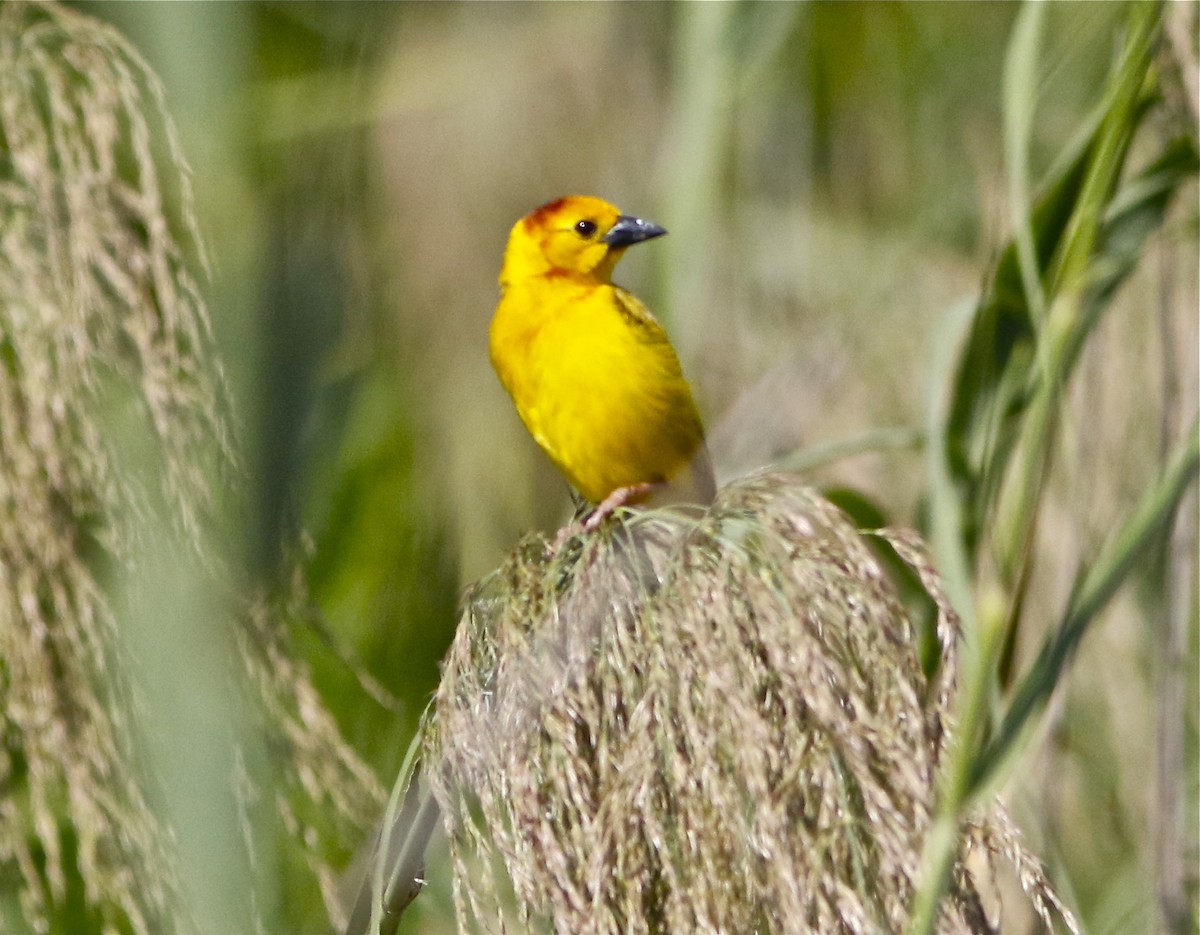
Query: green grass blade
x=1149 y=521
x=991 y=381
x=1020 y=103
x=1116 y=132
x=1018 y=507
x=948 y=522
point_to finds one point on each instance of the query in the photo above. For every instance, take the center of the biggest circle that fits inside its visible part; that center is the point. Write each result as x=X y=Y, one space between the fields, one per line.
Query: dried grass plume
x=714 y=725
x=103 y=325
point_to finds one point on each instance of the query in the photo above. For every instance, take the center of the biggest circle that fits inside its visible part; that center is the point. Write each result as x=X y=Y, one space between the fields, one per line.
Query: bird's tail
x=695 y=484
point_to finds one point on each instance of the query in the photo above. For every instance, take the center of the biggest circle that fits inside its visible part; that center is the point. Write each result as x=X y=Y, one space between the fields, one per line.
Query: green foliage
x=1072 y=249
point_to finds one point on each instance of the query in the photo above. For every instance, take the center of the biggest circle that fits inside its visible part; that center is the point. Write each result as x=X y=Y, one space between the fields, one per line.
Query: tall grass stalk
x=699 y=152
x=1145 y=527
x=1065 y=282
x=1066 y=277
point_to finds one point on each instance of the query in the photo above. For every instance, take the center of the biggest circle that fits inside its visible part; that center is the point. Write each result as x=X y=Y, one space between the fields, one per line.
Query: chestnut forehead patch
x=538 y=216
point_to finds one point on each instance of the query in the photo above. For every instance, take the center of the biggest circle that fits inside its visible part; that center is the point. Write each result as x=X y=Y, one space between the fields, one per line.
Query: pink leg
x=620 y=497
x=614 y=501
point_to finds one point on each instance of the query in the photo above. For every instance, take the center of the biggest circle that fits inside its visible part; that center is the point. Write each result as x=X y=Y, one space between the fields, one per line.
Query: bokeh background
x=833 y=179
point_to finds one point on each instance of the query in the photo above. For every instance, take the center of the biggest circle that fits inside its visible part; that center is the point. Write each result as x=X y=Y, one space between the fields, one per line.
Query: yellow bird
x=593 y=375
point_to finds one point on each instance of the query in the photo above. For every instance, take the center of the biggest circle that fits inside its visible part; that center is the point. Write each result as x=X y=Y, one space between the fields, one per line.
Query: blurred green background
x=833 y=179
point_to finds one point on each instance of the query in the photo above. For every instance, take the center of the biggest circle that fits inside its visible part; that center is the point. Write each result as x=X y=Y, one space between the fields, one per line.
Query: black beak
x=629 y=230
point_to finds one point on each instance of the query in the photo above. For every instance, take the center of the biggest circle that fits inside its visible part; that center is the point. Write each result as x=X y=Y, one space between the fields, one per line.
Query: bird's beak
x=629 y=230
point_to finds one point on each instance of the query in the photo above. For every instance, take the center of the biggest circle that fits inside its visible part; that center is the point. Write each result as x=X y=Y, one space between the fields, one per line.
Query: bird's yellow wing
x=694 y=483
x=607 y=399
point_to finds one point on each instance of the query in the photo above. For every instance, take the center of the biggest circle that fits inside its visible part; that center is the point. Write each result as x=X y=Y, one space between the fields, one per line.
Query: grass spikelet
x=698 y=725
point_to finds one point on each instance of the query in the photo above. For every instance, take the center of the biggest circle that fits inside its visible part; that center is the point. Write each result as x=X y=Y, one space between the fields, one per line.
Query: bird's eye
x=585 y=228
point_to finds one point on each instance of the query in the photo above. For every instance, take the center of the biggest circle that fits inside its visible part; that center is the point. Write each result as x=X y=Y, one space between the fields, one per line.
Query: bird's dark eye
x=585 y=228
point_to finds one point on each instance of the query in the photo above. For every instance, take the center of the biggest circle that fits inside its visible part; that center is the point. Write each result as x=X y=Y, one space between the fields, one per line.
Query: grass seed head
x=681 y=724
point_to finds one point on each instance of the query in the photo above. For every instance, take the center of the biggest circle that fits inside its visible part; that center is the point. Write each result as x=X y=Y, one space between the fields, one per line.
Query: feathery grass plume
x=682 y=725
x=329 y=797
x=93 y=288
x=103 y=324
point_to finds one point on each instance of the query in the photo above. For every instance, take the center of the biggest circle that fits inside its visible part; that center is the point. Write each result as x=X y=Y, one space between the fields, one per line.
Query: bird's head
x=577 y=235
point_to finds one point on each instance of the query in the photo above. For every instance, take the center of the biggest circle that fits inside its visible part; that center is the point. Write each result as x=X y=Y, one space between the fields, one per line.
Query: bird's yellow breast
x=595 y=381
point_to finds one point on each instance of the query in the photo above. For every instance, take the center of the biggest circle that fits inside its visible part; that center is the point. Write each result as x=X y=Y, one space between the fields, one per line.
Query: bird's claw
x=620 y=497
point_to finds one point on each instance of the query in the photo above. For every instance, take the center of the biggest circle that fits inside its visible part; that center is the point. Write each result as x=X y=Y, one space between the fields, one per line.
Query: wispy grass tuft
x=704 y=725
x=104 y=338
x=95 y=287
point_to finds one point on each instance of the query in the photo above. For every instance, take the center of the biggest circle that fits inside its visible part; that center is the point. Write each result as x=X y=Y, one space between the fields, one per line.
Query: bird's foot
x=620 y=497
